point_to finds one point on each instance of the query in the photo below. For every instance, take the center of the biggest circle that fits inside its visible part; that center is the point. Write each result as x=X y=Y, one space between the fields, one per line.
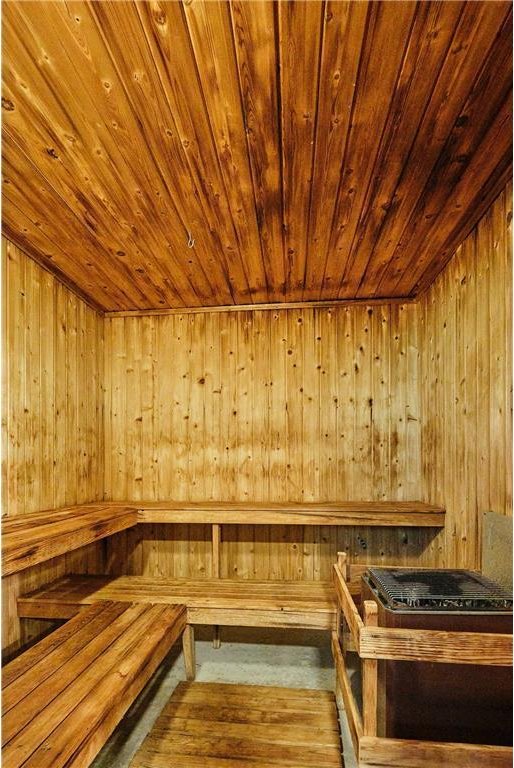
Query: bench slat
x=54 y=663
x=66 y=686
x=50 y=516
x=363 y=513
x=32 y=656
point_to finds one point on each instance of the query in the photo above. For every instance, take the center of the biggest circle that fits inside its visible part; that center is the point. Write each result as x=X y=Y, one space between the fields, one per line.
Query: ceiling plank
x=475 y=33
x=431 y=36
x=385 y=32
x=26 y=190
x=210 y=31
x=487 y=107
x=162 y=149
x=299 y=55
x=468 y=195
x=165 y=62
x=343 y=33
x=254 y=33
x=94 y=174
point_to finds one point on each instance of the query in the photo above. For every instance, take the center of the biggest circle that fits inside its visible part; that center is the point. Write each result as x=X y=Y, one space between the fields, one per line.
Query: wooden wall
x=288 y=405
x=52 y=399
x=52 y=412
x=466 y=385
x=410 y=401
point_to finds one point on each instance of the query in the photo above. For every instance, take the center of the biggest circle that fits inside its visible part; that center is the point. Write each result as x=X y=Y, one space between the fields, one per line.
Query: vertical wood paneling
x=290 y=405
x=54 y=409
x=466 y=388
x=52 y=414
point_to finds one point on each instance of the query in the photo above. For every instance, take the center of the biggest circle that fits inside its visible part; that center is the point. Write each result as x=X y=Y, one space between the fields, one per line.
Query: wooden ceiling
x=312 y=150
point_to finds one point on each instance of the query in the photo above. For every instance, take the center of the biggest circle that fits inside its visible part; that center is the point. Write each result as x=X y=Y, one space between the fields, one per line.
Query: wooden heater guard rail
x=372 y=643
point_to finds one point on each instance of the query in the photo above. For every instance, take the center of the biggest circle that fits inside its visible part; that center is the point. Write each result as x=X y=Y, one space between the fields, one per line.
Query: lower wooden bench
x=223 y=602
x=64 y=696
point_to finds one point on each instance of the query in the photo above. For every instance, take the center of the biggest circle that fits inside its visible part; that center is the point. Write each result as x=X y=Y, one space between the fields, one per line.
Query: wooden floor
x=214 y=725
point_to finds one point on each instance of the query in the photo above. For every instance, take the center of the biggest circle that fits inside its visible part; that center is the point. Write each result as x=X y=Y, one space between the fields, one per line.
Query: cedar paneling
x=281 y=405
x=258 y=128
x=53 y=403
x=318 y=404
x=52 y=416
x=466 y=388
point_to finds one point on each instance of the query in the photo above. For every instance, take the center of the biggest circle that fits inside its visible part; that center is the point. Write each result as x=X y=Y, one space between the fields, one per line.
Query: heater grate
x=438 y=590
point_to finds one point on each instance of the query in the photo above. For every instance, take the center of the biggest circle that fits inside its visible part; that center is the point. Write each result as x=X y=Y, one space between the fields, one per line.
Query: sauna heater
x=433 y=701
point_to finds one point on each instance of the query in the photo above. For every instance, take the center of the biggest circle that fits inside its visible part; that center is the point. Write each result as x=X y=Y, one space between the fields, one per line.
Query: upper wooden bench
x=33 y=538
x=218 y=602
x=64 y=696
x=363 y=513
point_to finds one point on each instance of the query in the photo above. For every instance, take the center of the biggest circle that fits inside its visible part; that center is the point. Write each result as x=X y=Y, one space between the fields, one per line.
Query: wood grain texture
x=398 y=753
x=257 y=130
x=343 y=680
x=31 y=539
x=211 y=724
x=287 y=406
x=53 y=403
x=18 y=634
x=436 y=646
x=369 y=674
x=466 y=387
x=373 y=514
x=214 y=601
x=52 y=419
x=64 y=699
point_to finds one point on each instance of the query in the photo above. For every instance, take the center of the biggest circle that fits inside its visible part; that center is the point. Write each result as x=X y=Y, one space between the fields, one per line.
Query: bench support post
x=188 y=645
x=216 y=569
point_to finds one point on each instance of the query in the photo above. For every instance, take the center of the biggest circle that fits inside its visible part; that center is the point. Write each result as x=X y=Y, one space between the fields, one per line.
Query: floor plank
x=224 y=725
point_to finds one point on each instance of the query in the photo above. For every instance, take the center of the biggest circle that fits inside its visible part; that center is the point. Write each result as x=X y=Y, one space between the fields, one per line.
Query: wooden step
x=221 y=728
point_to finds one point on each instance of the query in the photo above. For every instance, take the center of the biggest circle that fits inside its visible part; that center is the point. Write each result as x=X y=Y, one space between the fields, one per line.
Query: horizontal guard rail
x=420 y=644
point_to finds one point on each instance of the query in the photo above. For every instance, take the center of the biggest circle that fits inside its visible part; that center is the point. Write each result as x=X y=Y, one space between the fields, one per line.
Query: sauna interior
x=257 y=384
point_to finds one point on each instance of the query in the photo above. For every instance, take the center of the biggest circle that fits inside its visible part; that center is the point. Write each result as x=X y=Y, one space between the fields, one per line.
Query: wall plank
x=52 y=416
x=466 y=388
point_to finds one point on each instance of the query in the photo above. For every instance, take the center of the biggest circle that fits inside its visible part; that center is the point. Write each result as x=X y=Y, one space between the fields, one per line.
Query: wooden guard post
x=370 y=676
